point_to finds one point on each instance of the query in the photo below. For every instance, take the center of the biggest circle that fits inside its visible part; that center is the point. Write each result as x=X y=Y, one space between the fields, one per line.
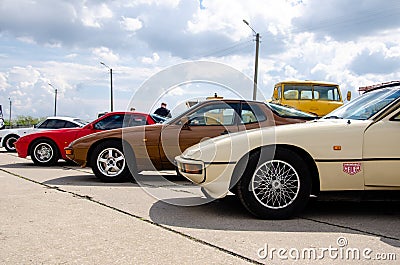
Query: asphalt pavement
x=65 y=215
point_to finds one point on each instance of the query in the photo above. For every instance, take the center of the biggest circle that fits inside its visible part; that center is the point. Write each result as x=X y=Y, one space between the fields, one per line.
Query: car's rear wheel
x=275 y=187
x=109 y=163
x=44 y=152
x=9 y=142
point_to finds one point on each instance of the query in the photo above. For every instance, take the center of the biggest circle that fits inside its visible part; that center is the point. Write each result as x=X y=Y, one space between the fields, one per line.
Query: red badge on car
x=351 y=168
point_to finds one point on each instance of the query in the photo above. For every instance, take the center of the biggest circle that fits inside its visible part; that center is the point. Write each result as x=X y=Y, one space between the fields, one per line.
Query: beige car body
x=346 y=154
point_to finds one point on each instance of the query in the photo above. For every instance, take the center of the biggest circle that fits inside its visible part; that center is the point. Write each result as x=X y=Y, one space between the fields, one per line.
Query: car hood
x=315 y=137
x=38 y=133
x=116 y=133
x=18 y=131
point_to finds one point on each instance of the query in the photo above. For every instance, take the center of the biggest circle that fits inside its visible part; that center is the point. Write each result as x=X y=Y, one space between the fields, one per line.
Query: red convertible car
x=45 y=148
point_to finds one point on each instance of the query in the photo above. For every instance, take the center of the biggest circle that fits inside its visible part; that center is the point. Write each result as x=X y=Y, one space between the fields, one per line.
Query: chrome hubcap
x=275 y=184
x=43 y=152
x=111 y=162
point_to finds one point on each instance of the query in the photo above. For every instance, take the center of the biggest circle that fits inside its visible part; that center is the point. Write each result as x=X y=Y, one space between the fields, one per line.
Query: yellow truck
x=317 y=97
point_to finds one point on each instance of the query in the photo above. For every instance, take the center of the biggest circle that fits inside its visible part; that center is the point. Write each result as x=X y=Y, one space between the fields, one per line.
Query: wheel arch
x=125 y=144
x=33 y=142
x=7 y=136
x=241 y=165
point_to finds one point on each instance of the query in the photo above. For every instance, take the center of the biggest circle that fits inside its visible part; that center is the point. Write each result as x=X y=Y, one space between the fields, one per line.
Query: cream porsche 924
x=274 y=171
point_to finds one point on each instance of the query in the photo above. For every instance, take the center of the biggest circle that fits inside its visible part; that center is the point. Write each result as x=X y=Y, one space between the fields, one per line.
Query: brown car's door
x=207 y=121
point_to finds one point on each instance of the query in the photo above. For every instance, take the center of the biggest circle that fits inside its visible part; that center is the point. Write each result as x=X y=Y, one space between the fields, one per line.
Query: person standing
x=163 y=111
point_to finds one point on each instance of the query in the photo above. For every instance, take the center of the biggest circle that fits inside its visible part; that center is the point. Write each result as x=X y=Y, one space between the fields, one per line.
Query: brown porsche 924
x=112 y=153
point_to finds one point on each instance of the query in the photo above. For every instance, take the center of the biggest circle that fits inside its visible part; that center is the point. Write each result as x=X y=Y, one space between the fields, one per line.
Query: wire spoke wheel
x=275 y=184
x=111 y=162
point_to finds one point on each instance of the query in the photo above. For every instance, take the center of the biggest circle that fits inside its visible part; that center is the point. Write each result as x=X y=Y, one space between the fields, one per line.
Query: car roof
x=313 y=82
x=378 y=86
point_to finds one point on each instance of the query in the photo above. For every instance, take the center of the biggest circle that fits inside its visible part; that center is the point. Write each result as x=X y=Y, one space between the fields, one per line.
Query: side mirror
x=90 y=126
x=348 y=95
x=276 y=94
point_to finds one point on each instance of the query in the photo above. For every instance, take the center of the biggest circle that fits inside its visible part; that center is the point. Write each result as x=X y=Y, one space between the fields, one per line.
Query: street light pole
x=55 y=99
x=256 y=59
x=111 y=84
x=10 y=113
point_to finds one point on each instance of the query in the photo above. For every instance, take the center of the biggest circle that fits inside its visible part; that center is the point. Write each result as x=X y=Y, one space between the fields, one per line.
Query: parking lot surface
x=64 y=215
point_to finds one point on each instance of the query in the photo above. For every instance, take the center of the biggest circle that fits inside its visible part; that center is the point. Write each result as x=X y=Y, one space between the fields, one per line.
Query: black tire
x=275 y=185
x=44 y=152
x=9 y=142
x=108 y=162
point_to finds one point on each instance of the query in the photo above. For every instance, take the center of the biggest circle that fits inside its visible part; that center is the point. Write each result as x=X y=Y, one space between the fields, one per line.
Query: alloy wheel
x=111 y=162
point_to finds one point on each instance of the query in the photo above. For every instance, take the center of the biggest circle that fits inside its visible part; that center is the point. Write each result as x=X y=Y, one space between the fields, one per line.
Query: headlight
x=192 y=168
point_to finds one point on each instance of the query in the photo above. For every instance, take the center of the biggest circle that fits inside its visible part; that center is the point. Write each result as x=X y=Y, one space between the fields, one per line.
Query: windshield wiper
x=333 y=117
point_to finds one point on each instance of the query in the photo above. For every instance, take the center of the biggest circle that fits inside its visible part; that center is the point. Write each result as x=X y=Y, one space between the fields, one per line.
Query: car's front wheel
x=275 y=186
x=44 y=152
x=108 y=162
x=9 y=142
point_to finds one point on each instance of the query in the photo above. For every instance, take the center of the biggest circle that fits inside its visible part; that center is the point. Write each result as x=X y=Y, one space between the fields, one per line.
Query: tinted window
x=251 y=113
x=55 y=124
x=43 y=124
x=110 y=122
x=137 y=120
x=69 y=124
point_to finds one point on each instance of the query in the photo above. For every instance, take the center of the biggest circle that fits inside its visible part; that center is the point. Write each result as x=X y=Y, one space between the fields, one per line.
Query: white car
x=274 y=171
x=9 y=136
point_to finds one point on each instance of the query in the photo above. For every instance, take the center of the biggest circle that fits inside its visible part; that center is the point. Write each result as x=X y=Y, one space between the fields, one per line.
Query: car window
x=69 y=124
x=289 y=112
x=43 y=124
x=110 y=122
x=251 y=113
x=136 y=120
x=214 y=114
x=55 y=124
x=298 y=92
x=158 y=119
x=326 y=93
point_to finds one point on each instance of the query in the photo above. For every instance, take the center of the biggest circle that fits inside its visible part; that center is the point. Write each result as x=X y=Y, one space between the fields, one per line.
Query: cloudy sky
x=62 y=42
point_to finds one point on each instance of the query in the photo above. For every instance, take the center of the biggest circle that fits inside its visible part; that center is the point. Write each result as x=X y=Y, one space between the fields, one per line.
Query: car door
x=381 y=153
x=211 y=119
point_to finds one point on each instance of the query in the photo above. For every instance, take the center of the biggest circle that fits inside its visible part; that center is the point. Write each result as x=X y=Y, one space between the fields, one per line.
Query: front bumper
x=76 y=155
x=215 y=177
x=21 y=146
x=185 y=166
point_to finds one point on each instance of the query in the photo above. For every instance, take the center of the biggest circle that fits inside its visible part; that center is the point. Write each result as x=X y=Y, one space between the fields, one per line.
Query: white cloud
x=105 y=54
x=131 y=24
x=150 y=60
x=339 y=41
x=93 y=15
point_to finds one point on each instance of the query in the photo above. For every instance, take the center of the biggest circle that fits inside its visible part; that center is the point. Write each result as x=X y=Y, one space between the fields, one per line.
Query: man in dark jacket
x=163 y=111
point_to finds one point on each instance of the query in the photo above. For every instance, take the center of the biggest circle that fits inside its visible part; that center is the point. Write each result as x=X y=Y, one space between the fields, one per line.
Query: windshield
x=82 y=122
x=366 y=106
x=157 y=118
x=289 y=112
